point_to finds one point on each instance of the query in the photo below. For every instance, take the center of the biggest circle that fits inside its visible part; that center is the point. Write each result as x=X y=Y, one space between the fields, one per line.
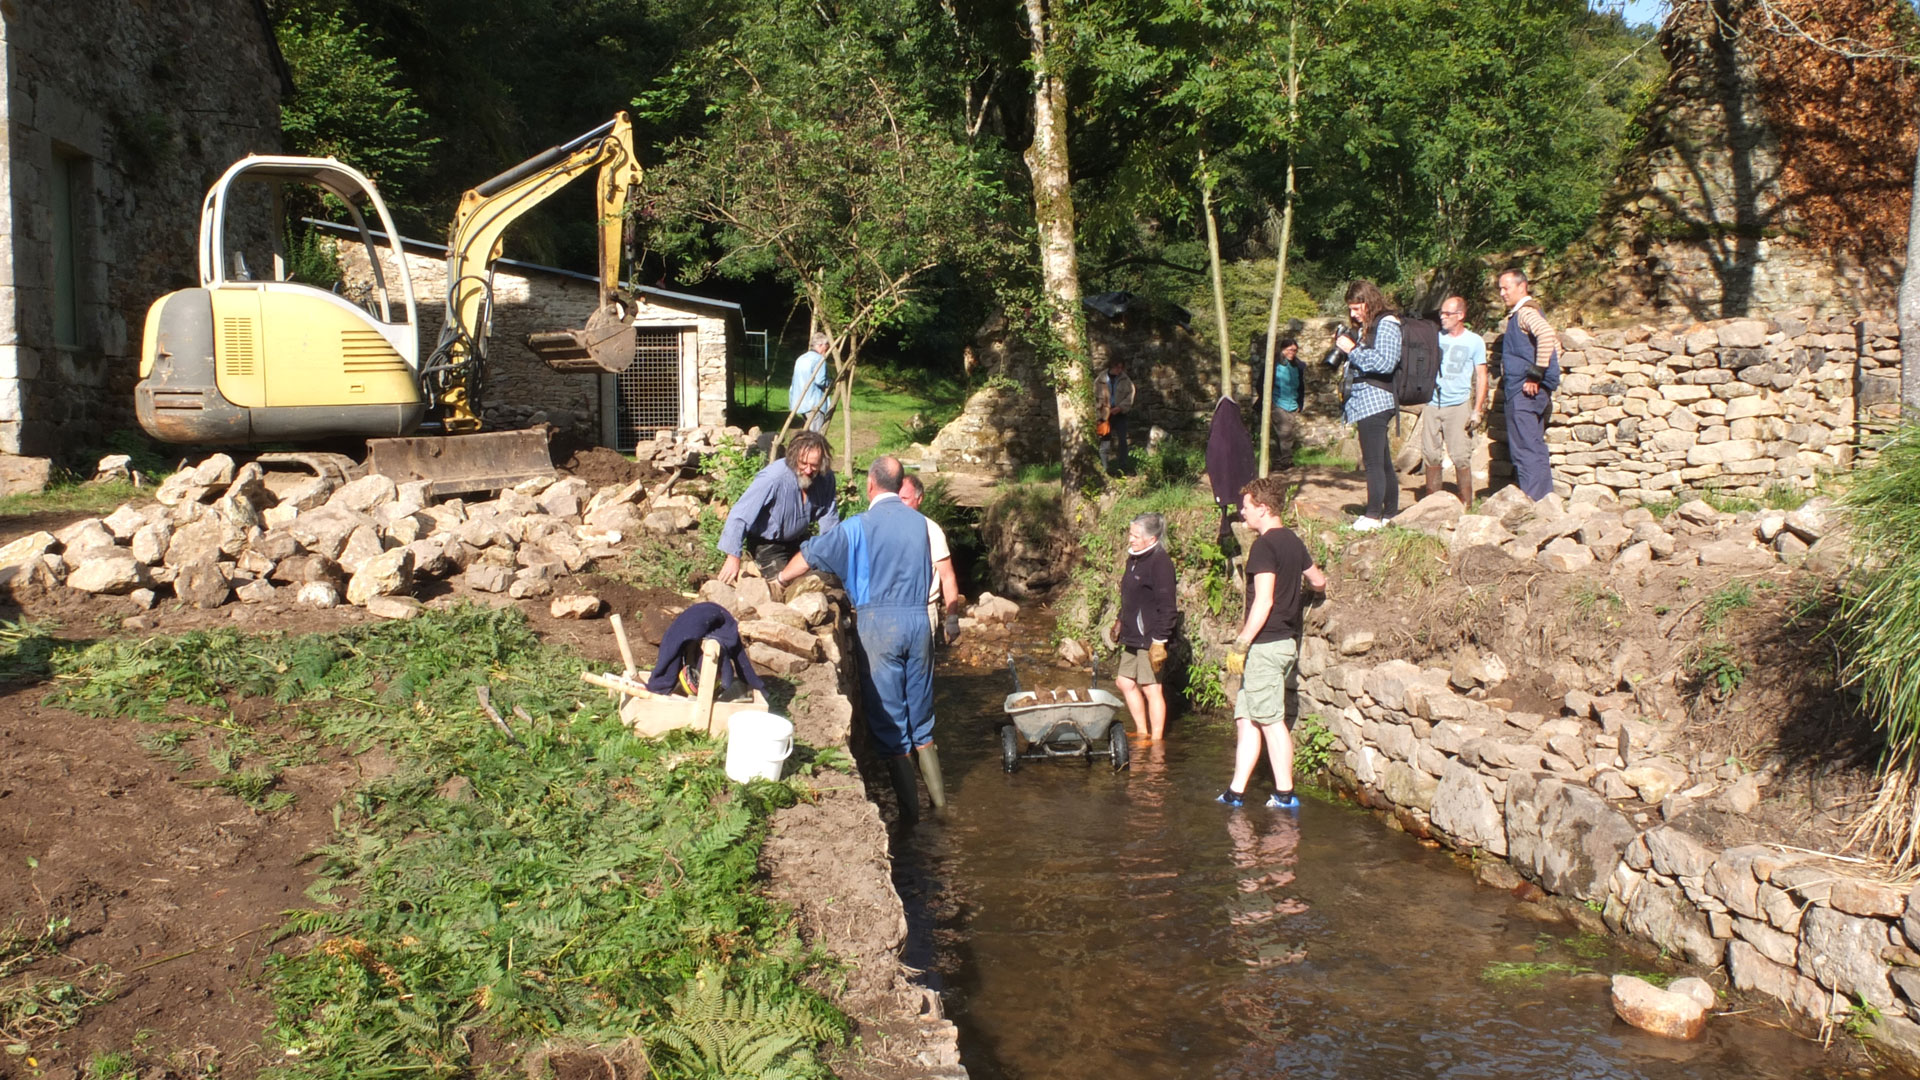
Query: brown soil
x=177 y=888
x=600 y=466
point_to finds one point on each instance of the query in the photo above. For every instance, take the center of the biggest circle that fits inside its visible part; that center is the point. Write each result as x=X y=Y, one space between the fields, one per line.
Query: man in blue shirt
x=777 y=511
x=807 y=396
x=884 y=561
x=1459 y=400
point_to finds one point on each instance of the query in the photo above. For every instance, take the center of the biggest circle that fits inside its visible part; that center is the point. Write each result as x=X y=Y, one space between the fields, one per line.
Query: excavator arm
x=453 y=377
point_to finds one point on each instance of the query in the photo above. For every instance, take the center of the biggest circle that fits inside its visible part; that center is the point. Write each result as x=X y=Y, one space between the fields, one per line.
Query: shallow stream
x=1088 y=924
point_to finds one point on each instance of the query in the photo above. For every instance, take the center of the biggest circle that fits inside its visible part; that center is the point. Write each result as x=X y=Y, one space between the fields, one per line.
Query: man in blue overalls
x=1530 y=373
x=883 y=559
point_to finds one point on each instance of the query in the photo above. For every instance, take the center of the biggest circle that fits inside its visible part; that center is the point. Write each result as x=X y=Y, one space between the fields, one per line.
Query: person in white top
x=945 y=594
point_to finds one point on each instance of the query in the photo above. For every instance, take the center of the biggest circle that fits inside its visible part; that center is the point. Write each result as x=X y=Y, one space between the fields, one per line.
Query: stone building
x=681 y=377
x=1773 y=174
x=116 y=116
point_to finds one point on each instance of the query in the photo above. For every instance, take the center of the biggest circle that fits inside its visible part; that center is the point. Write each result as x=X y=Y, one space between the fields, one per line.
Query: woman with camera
x=1372 y=352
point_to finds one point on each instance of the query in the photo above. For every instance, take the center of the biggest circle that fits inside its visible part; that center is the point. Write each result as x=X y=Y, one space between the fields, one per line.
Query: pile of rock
x=1570 y=538
x=1592 y=804
x=221 y=533
x=781 y=637
x=674 y=449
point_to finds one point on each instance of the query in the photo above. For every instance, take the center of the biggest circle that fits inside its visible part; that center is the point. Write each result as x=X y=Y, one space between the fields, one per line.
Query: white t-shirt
x=937 y=541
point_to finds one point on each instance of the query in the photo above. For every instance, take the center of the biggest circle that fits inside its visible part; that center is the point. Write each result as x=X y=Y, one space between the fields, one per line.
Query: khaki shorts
x=1443 y=434
x=1270 y=691
x=1135 y=665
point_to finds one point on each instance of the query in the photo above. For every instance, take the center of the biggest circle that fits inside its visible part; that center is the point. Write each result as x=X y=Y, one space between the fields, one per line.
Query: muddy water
x=1087 y=924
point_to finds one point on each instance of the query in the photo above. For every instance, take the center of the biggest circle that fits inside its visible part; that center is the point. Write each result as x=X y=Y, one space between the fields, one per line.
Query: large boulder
x=203 y=585
x=114 y=574
x=388 y=574
x=1464 y=808
x=1662 y=1012
x=781 y=636
x=1562 y=835
x=1433 y=513
x=364 y=494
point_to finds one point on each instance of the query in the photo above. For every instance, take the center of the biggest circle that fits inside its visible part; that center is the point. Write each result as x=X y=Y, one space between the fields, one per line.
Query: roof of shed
x=519 y=267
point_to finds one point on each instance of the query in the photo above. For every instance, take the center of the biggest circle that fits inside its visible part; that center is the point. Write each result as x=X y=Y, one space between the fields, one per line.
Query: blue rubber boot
x=1283 y=801
x=1230 y=797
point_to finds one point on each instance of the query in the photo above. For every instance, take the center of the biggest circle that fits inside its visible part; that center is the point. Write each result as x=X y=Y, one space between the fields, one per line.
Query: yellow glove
x=1236 y=660
x=1157 y=656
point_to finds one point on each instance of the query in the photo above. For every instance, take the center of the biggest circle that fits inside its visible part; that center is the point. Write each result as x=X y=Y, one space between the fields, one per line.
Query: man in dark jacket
x=1145 y=625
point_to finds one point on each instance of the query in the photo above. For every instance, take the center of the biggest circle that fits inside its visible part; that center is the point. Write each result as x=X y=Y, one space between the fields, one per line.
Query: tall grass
x=1879 y=624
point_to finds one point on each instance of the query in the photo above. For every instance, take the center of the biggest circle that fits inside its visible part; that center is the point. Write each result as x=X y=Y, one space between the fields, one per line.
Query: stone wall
x=1766 y=178
x=1589 y=805
x=522 y=390
x=138 y=107
x=1737 y=405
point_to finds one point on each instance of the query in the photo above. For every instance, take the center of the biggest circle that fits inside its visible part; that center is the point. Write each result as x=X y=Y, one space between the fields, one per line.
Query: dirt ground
x=176 y=888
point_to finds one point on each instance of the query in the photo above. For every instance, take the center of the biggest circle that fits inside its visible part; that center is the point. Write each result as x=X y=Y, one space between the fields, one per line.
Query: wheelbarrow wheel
x=1009 y=748
x=1117 y=743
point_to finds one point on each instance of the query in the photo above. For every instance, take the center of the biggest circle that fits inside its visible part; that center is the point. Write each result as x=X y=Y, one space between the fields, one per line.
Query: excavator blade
x=456 y=463
x=606 y=344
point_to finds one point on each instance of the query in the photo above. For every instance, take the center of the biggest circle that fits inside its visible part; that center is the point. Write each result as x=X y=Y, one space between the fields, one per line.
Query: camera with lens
x=1334 y=355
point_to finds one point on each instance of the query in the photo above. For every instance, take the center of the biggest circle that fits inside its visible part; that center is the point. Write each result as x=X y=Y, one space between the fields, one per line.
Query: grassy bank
x=544 y=881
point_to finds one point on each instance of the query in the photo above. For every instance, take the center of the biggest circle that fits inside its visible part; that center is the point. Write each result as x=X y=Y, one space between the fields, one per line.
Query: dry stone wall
x=1737 y=405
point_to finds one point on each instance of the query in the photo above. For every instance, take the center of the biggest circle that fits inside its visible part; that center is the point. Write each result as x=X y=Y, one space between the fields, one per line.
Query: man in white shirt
x=945 y=594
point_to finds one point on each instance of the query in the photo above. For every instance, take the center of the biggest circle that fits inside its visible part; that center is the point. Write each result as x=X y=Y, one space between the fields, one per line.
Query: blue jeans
x=896 y=676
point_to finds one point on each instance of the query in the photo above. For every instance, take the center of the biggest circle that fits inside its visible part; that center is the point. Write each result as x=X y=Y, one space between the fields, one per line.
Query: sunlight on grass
x=88 y=497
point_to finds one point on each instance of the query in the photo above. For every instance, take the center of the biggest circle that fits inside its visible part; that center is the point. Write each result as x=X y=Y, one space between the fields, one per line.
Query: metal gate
x=650 y=388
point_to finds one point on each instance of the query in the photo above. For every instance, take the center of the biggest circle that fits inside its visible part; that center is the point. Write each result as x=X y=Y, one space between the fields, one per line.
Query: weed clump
x=580 y=883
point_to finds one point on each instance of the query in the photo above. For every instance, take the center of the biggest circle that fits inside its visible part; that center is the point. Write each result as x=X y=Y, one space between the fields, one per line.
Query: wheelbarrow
x=1044 y=724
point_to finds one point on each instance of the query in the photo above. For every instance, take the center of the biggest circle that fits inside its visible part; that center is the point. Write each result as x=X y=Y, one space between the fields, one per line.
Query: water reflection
x=1092 y=925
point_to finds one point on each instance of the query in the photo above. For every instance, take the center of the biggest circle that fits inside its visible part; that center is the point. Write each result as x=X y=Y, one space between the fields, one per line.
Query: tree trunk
x=1281 y=245
x=1046 y=162
x=1910 y=307
x=1219 y=293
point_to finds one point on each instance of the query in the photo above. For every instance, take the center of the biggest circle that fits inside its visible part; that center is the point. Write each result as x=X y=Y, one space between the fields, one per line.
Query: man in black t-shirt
x=1267 y=651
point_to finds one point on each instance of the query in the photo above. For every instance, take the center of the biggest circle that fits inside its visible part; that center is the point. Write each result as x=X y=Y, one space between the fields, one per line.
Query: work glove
x=951 y=627
x=1237 y=660
x=1157 y=656
x=1111 y=635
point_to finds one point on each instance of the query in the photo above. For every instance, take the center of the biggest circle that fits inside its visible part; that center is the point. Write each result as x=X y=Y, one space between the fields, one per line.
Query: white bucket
x=757 y=745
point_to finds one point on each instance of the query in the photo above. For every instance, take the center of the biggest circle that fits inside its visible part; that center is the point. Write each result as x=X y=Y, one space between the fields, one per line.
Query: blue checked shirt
x=1379 y=359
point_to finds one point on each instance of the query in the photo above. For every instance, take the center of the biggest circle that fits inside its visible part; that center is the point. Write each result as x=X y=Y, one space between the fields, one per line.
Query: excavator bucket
x=452 y=464
x=605 y=345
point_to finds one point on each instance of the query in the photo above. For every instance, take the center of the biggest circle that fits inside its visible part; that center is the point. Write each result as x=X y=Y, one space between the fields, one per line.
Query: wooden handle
x=709 y=683
x=618 y=684
x=626 y=649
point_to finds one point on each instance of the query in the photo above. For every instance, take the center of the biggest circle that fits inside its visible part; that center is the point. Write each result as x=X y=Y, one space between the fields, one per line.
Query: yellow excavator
x=244 y=359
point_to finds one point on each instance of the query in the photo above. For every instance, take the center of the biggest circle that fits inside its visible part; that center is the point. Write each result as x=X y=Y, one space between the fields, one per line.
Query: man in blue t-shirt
x=1459 y=401
x=808 y=396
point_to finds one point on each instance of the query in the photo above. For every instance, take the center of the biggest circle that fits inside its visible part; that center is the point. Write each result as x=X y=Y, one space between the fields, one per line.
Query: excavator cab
x=255 y=353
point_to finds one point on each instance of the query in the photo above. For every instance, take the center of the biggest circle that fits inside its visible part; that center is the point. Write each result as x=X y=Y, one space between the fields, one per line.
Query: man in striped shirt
x=1530 y=373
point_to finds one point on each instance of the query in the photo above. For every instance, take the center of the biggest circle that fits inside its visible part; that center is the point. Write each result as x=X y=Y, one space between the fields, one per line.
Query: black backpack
x=1413 y=382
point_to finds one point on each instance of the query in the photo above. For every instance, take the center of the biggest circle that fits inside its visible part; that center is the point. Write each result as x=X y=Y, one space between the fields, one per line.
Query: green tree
x=349 y=103
x=822 y=163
